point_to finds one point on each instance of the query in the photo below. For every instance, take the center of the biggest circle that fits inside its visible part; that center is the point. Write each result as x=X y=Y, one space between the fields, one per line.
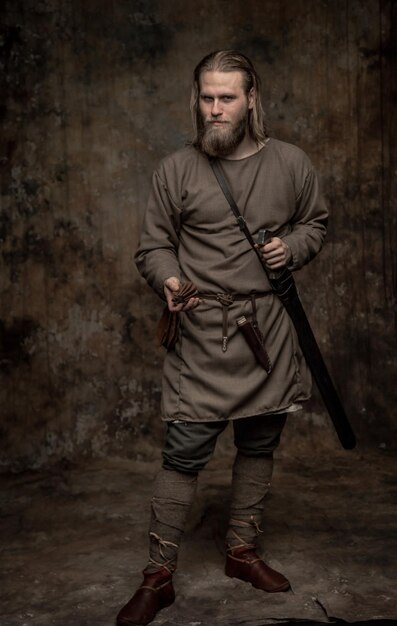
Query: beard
x=220 y=141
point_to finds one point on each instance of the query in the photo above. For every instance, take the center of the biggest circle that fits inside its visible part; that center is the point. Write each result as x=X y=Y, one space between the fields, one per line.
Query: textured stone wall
x=94 y=93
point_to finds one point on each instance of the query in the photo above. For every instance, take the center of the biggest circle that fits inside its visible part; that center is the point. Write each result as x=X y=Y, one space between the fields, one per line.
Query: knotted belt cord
x=226 y=300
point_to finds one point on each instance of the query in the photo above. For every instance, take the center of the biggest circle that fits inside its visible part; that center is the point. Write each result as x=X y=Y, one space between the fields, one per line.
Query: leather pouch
x=167 y=329
x=168 y=325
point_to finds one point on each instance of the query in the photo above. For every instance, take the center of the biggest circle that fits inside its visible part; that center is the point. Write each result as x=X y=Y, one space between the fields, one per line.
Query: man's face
x=224 y=107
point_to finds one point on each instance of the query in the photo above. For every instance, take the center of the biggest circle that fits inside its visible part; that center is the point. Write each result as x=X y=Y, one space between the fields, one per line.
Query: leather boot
x=155 y=593
x=245 y=564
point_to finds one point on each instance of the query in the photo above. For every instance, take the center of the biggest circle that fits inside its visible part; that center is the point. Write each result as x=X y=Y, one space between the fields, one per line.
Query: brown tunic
x=190 y=232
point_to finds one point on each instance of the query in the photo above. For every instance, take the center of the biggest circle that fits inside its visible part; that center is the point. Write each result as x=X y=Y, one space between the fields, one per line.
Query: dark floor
x=74 y=543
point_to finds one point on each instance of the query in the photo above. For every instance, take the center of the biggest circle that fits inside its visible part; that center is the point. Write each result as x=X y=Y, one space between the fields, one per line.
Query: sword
x=283 y=284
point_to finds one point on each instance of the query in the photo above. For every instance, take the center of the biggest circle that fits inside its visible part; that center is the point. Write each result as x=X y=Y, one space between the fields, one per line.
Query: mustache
x=209 y=123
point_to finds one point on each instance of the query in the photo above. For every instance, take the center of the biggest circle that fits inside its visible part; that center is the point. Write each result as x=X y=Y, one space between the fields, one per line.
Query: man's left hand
x=276 y=253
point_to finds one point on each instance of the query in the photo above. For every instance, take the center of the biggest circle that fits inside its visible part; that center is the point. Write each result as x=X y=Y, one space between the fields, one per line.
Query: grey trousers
x=190 y=445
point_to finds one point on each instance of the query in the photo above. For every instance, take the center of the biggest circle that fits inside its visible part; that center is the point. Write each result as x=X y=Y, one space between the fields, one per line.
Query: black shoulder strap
x=217 y=169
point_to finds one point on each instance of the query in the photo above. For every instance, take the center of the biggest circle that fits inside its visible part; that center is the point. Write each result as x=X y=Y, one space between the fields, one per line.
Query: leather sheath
x=254 y=339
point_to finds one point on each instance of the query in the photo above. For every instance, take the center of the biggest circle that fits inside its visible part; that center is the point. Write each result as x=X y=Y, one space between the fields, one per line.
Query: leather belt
x=226 y=300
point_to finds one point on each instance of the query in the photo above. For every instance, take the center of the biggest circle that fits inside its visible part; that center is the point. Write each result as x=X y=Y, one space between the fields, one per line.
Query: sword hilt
x=281 y=280
x=264 y=236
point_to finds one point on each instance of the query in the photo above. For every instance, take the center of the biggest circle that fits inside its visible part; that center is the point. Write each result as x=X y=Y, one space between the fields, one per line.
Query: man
x=211 y=376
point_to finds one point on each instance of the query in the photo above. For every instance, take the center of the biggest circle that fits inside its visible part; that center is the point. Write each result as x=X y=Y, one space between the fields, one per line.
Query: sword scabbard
x=283 y=284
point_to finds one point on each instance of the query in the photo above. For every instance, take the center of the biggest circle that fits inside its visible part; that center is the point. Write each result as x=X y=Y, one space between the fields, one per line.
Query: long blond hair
x=230 y=61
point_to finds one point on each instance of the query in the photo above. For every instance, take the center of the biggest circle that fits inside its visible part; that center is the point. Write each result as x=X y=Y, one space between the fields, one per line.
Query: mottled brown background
x=93 y=94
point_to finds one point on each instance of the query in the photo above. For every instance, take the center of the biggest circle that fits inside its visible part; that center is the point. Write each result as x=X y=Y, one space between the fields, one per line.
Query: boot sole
x=129 y=623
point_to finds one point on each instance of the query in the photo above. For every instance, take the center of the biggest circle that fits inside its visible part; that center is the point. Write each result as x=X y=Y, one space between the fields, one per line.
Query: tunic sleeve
x=309 y=224
x=157 y=255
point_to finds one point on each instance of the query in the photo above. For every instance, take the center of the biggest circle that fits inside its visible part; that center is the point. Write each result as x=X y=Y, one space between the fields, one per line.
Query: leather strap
x=226 y=300
x=220 y=177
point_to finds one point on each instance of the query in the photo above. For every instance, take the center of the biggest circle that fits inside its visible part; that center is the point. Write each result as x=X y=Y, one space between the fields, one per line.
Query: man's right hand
x=171 y=286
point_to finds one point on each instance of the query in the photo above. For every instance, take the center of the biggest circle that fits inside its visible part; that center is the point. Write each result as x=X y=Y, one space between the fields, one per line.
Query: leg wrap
x=251 y=482
x=172 y=499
